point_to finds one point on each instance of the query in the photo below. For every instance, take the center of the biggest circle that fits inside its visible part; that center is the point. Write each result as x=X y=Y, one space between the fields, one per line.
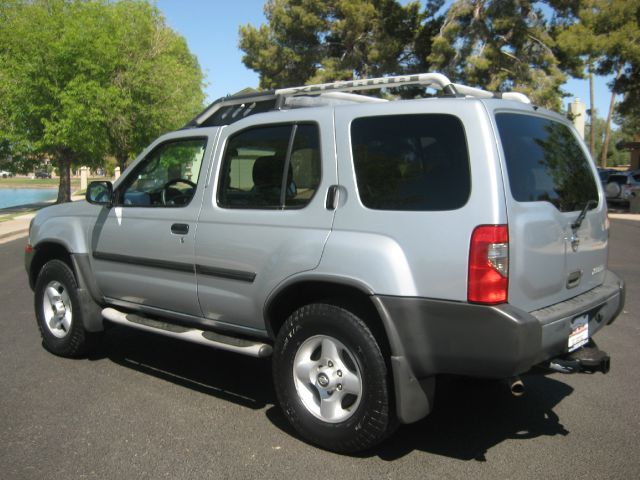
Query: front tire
x=58 y=311
x=331 y=379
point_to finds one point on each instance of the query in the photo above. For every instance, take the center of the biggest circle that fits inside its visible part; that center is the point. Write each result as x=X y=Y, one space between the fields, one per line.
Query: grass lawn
x=26 y=182
x=11 y=216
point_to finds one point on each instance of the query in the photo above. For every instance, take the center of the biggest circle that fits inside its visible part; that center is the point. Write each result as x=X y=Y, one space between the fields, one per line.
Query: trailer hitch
x=587 y=359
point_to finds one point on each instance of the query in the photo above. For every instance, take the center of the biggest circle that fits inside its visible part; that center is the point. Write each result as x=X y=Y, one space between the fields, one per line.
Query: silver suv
x=365 y=245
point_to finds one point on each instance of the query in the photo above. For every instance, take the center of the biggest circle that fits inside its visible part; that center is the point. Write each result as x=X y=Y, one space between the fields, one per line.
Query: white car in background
x=622 y=187
x=5 y=174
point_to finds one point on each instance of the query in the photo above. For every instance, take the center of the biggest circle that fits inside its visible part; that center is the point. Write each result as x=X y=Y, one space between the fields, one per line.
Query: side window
x=255 y=162
x=167 y=177
x=411 y=162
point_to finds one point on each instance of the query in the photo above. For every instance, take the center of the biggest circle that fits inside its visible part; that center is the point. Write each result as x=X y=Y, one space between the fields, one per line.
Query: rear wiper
x=576 y=225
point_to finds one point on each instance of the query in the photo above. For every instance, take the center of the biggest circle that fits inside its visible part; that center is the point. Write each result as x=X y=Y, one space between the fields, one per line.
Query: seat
x=267 y=180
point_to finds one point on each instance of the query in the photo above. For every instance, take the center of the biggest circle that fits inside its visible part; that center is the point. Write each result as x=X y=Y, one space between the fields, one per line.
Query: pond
x=13 y=197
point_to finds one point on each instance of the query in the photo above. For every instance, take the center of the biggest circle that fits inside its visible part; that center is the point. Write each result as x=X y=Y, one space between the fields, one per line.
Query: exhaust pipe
x=516 y=386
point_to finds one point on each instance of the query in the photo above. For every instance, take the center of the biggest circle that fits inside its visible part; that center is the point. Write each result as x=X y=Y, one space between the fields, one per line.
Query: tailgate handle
x=180 y=228
x=574 y=279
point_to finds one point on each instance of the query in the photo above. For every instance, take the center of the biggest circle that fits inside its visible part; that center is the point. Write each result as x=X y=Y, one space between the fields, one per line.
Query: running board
x=203 y=337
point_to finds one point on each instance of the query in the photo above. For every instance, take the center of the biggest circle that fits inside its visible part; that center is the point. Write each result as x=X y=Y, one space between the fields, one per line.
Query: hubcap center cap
x=59 y=309
x=323 y=380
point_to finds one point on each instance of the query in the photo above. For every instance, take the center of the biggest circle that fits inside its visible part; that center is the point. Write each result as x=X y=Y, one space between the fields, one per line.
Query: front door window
x=167 y=177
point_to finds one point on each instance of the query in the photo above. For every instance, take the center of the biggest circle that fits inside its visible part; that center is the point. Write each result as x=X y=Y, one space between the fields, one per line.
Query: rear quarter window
x=411 y=162
x=545 y=162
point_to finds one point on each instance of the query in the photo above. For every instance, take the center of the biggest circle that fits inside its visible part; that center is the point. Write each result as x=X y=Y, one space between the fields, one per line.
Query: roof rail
x=435 y=80
x=229 y=109
x=233 y=108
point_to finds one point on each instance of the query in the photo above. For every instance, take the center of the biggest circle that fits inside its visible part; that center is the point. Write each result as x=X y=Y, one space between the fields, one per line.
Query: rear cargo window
x=545 y=162
x=411 y=162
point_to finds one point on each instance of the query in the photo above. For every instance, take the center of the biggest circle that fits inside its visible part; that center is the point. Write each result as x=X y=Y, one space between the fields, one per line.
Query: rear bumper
x=429 y=337
x=603 y=304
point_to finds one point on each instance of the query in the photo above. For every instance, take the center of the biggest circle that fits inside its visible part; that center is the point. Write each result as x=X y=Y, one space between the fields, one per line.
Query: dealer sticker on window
x=579 y=332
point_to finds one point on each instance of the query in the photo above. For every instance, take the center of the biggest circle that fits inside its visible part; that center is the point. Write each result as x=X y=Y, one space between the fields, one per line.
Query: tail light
x=488 y=279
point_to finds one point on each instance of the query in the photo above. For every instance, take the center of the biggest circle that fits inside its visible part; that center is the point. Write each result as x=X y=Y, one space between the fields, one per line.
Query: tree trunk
x=593 y=115
x=607 y=131
x=122 y=161
x=64 y=169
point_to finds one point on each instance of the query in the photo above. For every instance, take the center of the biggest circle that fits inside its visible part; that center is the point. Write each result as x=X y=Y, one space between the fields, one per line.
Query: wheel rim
x=327 y=379
x=56 y=306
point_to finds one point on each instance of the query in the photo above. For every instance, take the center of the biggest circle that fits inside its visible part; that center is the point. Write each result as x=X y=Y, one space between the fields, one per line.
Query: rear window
x=619 y=179
x=411 y=162
x=624 y=179
x=545 y=162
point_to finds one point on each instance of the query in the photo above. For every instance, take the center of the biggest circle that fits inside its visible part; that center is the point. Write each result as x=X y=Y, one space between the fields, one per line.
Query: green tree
x=575 y=51
x=628 y=111
x=322 y=40
x=614 y=157
x=83 y=79
x=156 y=84
x=500 y=45
x=605 y=34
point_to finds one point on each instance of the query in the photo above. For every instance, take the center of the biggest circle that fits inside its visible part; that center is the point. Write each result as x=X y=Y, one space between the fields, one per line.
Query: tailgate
x=558 y=228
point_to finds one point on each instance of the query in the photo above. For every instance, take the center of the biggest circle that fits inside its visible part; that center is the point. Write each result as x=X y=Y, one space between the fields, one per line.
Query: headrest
x=267 y=171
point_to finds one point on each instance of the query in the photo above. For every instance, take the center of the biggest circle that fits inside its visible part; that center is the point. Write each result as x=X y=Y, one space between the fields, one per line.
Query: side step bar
x=203 y=337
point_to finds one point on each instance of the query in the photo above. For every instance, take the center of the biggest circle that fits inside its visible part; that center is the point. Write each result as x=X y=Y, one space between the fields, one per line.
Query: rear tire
x=58 y=311
x=331 y=379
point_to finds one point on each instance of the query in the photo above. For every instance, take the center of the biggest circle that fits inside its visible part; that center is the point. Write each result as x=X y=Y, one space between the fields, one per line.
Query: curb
x=625 y=216
x=24 y=231
x=16 y=233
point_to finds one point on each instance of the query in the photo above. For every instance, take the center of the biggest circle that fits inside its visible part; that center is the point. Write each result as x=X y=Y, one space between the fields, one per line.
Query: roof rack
x=435 y=80
x=233 y=108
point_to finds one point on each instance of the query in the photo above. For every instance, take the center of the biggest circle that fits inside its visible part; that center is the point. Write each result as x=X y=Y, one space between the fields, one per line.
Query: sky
x=211 y=30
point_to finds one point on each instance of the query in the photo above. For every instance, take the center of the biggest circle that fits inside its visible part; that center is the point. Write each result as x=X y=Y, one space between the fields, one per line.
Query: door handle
x=333 y=195
x=180 y=228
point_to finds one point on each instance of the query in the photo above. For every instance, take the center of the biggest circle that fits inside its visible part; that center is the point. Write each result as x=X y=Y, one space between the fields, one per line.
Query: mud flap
x=414 y=398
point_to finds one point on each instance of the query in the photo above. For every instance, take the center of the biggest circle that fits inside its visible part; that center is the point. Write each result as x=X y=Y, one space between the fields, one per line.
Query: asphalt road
x=149 y=407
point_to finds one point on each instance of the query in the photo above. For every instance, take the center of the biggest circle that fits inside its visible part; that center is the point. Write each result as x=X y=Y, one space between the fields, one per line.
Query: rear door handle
x=180 y=228
x=333 y=195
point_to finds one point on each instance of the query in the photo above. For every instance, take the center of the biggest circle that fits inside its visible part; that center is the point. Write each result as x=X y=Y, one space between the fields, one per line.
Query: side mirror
x=100 y=193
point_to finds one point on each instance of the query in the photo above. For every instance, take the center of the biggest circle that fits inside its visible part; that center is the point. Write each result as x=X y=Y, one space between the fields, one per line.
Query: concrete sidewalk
x=15 y=228
x=625 y=216
x=14 y=221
